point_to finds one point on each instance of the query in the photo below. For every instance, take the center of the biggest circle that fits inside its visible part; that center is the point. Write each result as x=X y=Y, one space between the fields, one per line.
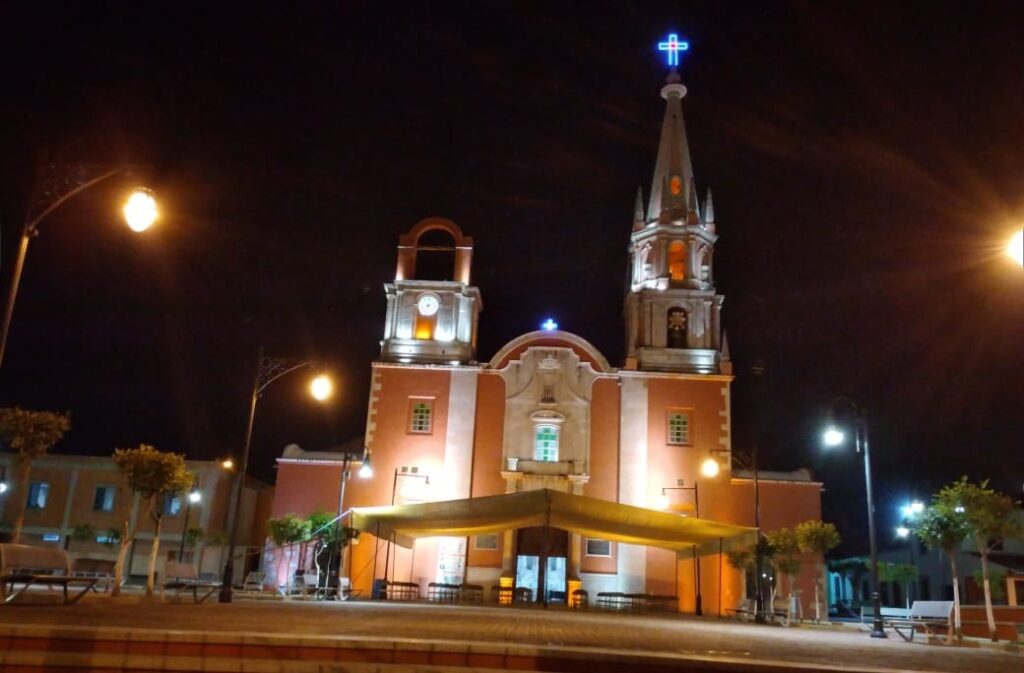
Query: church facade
x=549 y=411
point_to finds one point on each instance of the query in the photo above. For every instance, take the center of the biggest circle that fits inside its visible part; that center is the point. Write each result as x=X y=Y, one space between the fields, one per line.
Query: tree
x=991 y=518
x=942 y=525
x=900 y=573
x=30 y=434
x=155 y=477
x=818 y=538
x=285 y=532
x=786 y=544
x=193 y=536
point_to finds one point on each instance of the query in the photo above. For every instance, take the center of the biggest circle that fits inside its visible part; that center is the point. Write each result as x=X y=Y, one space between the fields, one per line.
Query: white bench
x=924 y=616
x=867 y=613
x=183 y=576
x=27 y=565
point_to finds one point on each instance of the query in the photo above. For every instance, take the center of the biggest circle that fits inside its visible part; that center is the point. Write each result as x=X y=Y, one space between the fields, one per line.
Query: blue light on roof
x=549 y=325
x=673 y=46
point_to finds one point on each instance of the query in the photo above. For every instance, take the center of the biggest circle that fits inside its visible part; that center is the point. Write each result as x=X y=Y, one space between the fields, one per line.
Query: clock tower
x=432 y=321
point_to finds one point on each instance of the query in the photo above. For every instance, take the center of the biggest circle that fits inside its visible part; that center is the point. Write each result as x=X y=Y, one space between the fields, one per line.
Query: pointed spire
x=638 y=209
x=673 y=171
x=693 y=204
x=709 y=209
x=725 y=346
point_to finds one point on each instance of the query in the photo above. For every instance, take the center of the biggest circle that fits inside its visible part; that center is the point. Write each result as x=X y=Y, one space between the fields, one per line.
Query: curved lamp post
x=834 y=436
x=140 y=212
x=268 y=370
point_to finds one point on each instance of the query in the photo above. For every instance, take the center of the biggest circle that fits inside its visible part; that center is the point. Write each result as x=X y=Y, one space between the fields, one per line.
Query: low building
x=81 y=504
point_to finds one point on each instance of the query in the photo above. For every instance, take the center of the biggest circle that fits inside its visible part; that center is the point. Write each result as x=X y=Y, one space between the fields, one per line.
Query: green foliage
x=996 y=581
x=784 y=541
x=901 y=573
x=817 y=537
x=288 y=529
x=82 y=532
x=741 y=559
x=788 y=566
x=990 y=517
x=853 y=566
x=940 y=526
x=152 y=473
x=193 y=536
x=32 y=433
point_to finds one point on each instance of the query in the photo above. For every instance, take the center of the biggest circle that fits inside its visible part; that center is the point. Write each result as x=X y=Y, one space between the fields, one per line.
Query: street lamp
x=268 y=370
x=139 y=211
x=833 y=437
x=697 y=608
x=193 y=498
x=364 y=472
x=405 y=474
x=1015 y=248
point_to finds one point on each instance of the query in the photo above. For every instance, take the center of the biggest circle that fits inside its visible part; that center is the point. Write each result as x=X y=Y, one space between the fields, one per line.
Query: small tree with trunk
x=898 y=573
x=943 y=526
x=818 y=538
x=991 y=518
x=786 y=544
x=286 y=531
x=29 y=434
x=154 y=476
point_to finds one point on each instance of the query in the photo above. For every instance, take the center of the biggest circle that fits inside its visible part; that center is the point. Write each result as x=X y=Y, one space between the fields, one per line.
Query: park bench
x=183 y=576
x=101 y=569
x=28 y=565
x=745 y=610
x=924 y=616
x=440 y=592
x=867 y=613
x=254 y=581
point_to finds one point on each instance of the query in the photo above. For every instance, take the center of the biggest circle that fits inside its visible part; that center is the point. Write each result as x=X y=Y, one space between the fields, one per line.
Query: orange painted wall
x=303 y=488
x=490 y=426
x=604 y=462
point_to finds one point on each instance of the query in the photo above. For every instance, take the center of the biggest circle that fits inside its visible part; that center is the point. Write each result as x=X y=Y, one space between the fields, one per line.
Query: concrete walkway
x=692 y=644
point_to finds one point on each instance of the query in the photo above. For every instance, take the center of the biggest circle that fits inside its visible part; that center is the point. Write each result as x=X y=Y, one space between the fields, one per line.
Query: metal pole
x=877 y=628
x=184 y=530
x=387 y=554
x=236 y=505
x=759 y=597
x=697 y=607
x=340 y=528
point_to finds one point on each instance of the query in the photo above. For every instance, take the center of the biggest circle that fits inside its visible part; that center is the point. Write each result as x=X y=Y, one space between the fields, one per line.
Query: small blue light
x=51 y=537
x=673 y=47
x=549 y=325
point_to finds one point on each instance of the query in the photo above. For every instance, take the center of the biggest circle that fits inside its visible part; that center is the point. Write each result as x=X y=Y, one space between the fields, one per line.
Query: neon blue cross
x=673 y=47
x=549 y=325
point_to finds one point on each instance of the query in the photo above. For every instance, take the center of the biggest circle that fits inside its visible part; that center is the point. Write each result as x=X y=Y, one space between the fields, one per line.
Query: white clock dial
x=427 y=304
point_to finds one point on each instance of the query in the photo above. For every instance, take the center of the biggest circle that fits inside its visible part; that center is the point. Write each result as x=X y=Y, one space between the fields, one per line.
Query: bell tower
x=432 y=321
x=673 y=315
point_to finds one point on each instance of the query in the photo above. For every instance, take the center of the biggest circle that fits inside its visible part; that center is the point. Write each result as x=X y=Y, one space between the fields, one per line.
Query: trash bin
x=380 y=590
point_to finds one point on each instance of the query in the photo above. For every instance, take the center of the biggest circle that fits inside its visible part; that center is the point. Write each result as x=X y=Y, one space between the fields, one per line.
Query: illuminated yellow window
x=678 y=427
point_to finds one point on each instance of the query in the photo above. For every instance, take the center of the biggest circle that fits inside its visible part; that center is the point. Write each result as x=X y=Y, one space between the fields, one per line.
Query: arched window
x=545 y=445
x=676 y=328
x=677 y=260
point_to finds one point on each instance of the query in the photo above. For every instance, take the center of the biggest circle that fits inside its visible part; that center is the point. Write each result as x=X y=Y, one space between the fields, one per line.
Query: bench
x=616 y=600
x=924 y=615
x=471 y=593
x=867 y=613
x=745 y=610
x=182 y=576
x=443 y=593
x=403 y=591
x=29 y=565
x=101 y=569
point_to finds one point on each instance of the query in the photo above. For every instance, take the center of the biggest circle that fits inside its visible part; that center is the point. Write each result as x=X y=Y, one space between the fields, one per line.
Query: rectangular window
x=172 y=505
x=421 y=417
x=486 y=542
x=545 y=447
x=599 y=548
x=37 y=492
x=103 y=500
x=678 y=427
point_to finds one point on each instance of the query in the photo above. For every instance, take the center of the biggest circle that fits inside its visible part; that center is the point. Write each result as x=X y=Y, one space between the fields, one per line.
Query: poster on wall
x=451 y=560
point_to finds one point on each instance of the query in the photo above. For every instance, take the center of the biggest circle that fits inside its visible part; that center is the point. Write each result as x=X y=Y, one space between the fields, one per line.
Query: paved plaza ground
x=591 y=634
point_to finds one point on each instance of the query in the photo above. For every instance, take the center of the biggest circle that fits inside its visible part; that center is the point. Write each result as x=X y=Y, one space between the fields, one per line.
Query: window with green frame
x=545 y=445
x=421 y=417
x=678 y=427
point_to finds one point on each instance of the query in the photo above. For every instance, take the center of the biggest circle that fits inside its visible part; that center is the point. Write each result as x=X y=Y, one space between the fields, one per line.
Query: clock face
x=427 y=304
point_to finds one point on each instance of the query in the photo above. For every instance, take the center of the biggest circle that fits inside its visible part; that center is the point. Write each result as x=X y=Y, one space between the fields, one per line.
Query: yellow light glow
x=709 y=468
x=1016 y=248
x=140 y=210
x=662 y=501
x=228 y=464
x=321 y=388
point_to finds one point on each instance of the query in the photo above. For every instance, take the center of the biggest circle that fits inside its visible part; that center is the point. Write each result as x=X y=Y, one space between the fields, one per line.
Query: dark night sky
x=867 y=162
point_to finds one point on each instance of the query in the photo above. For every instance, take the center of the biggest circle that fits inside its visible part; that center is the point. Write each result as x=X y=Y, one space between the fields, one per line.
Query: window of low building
x=172 y=505
x=37 y=494
x=103 y=499
x=487 y=542
x=599 y=548
x=678 y=426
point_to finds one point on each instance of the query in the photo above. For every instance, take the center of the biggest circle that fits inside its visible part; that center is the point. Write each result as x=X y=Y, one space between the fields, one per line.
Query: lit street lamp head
x=365 y=470
x=902 y=532
x=3 y=486
x=1015 y=249
x=140 y=210
x=228 y=464
x=194 y=497
x=833 y=436
x=709 y=468
x=321 y=388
